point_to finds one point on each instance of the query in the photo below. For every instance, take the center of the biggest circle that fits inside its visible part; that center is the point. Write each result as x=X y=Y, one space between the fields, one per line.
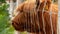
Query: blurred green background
x=5 y=25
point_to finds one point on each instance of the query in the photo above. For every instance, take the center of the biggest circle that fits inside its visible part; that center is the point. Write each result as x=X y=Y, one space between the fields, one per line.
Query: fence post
x=58 y=25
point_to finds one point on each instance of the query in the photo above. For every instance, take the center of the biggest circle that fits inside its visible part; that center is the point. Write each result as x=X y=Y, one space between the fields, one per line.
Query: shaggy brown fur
x=22 y=21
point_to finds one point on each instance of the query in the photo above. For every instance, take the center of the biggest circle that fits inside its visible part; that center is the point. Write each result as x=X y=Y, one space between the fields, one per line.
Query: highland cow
x=33 y=20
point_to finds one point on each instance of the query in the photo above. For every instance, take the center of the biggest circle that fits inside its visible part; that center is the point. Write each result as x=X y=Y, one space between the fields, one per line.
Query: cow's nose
x=18 y=26
x=15 y=25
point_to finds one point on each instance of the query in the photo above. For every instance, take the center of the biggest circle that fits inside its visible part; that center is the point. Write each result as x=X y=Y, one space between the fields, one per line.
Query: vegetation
x=5 y=26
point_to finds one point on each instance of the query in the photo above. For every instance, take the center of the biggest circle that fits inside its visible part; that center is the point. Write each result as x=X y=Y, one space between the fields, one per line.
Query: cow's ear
x=48 y=4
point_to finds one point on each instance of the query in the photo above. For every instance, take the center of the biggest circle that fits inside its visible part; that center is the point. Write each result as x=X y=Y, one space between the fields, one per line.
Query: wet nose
x=17 y=26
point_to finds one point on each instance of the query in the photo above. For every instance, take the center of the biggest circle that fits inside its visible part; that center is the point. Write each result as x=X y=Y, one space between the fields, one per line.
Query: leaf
x=3 y=1
x=5 y=26
x=8 y=30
